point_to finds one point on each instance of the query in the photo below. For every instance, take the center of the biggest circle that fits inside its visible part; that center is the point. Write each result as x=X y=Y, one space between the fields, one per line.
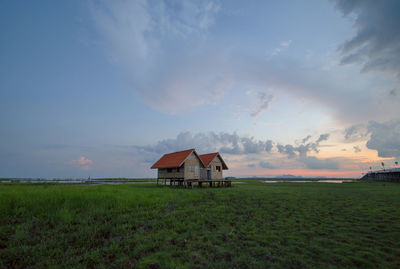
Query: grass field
x=251 y=225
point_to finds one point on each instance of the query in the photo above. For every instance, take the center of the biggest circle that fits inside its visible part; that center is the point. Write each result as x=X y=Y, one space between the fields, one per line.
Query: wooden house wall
x=213 y=164
x=213 y=170
x=192 y=160
x=203 y=173
x=163 y=173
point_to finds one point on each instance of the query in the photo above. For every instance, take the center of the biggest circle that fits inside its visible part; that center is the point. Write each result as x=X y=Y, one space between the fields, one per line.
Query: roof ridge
x=209 y=153
x=179 y=151
x=175 y=159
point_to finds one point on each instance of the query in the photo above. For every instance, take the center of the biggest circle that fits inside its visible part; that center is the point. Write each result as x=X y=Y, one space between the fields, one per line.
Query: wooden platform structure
x=189 y=183
x=392 y=175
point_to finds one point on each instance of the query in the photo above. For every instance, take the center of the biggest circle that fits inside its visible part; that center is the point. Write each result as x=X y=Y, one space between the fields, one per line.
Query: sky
x=105 y=88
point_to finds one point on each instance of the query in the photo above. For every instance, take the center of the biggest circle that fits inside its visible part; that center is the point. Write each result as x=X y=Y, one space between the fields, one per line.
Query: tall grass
x=249 y=225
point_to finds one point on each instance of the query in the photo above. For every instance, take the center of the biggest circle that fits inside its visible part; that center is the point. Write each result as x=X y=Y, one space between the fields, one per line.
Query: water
x=308 y=181
x=74 y=181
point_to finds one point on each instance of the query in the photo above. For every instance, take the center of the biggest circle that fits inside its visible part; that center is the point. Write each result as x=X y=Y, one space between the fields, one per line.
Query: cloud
x=82 y=162
x=300 y=153
x=357 y=149
x=135 y=160
x=286 y=43
x=229 y=143
x=268 y=145
x=395 y=93
x=263 y=104
x=266 y=165
x=322 y=137
x=385 y=138
x=160 y=49
x=233 y=144
x=302 y=149
x=287 y=149
x=172 y=59
x=312 y=162
x=283 y=45
x=235 y=147
x=304 y=140
x=356 y=132
x=376 y=44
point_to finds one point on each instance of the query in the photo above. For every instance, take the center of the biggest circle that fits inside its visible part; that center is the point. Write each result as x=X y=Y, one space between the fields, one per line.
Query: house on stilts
x=214 y=164
x=186 y=168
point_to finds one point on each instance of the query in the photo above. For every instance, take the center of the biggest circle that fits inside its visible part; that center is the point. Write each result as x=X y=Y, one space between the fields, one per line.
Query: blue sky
x=104 y=88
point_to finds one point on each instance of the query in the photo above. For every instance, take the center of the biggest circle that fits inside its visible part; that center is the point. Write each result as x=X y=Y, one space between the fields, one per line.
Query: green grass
x=126 y=179
x=252 y=225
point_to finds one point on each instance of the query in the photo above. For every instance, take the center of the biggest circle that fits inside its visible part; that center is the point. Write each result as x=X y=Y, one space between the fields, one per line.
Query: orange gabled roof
x=174 y=159
x=207 y=158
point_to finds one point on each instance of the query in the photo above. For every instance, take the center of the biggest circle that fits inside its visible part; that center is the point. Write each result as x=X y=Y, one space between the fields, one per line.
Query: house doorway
x=208 y=174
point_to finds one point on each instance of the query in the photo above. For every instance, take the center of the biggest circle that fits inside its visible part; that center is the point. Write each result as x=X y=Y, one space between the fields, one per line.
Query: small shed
x=214 y=164
x=185 y=165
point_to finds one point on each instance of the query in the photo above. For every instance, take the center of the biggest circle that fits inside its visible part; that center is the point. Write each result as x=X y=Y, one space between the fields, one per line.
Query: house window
x=218 y=168
x=178 y=169
x=169 y=170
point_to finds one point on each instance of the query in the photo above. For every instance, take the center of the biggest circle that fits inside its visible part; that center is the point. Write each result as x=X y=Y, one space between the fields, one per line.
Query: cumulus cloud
x=287 y=149
x=233 y=144
x=264 y=101
x=356 y=132
x=230 y=143
x=385 y=138
x=304 y=140
x=82 y=162
x=303 y=148
x=300 y=153
x=240 y=151
x=242 y=146
x=268 y=145
x=322 y=137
